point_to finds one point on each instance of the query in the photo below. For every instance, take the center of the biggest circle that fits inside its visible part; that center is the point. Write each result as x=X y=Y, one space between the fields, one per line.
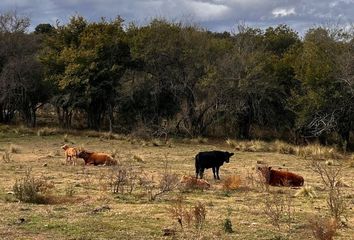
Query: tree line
x=120 y=77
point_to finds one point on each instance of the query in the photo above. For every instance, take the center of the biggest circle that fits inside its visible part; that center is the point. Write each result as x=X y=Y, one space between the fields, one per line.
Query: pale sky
x=215 y=15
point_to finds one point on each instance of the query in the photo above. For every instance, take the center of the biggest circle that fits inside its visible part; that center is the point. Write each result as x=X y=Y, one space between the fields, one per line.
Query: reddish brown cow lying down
x=70 y=153
x=280 y=178
x=96 y=158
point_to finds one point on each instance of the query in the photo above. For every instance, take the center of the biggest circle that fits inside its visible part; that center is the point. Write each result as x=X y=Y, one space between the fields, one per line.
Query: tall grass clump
x=6 y=157
x=46 y=131
x=30 y=189
x=323 y=228
x=314 y=151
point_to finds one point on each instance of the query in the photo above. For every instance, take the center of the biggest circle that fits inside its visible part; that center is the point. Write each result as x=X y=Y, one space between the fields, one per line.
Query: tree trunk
x=244 y=127
x=33 y=117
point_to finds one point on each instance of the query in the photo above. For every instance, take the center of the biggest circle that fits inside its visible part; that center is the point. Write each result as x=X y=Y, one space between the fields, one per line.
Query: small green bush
x=30 y=190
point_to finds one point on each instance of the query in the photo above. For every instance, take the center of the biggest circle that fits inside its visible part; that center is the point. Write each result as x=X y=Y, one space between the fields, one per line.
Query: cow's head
x=83 y=154
x=264 y=170
x=228 y=155
x=65 y=146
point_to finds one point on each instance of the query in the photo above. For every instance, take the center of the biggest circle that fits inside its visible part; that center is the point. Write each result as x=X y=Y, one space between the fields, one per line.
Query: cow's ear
x=269 y=168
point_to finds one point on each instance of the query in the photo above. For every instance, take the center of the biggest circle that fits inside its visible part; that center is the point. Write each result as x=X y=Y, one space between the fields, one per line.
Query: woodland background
x=179 y=79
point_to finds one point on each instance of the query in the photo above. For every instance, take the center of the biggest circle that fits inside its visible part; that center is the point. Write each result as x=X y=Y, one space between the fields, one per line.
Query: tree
x=21 y=82
x=258 y=80
x=86 y=61
x=43 y=28
x=325 y=102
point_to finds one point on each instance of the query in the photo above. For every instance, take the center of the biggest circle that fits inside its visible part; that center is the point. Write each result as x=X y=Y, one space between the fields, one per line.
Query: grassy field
x=83 y=206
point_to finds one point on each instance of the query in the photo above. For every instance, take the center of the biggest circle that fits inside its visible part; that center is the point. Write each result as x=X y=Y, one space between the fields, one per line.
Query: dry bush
x=93 y=134
x=255 y=180
x=178 y=211
x=323 y=228
x=199 y=213
x=331 y=176
x=188 y=183
x=6 y=157
x=110 y=136
x=138 y=159
x=227 y=224
x=142 y=132
x=250 y=179
x=24 y=130
x=199 y=140
x=231 y=183
x=87 y=178
x=279 y=209
x=114 y=153
x=284 y=148
x=66 y=138
x=46 y=131
x=31 y=190
x=249 y=146
x=124 y=179
x=167 y=183
x=186 y=216
x=14 y=149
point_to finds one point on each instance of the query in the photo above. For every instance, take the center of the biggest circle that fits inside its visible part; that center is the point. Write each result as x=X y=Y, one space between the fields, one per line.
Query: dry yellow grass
x=314 y=151
x=85 y=208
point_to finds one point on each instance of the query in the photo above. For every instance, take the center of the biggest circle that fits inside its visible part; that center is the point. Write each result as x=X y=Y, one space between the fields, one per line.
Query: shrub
x=188 y=183
x=70 y=190
x=14 y=149
x=323 y=228
x=199 y=215
x=185 y=216
x=279 y=209
x=231 y=183
x=331 y=176
x=167 y=183
x=30 y=189
x=48 y=131
x=6 y=157
x=227 y=224
x=124 y=179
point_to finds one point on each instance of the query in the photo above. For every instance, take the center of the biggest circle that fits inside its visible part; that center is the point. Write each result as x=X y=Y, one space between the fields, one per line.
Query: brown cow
x=70 y=154
x=96 y=158
x=280 y=178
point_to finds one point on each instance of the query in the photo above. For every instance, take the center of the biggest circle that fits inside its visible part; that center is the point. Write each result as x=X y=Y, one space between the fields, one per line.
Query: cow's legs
x=214 y=170
x=201 y=172
x=217 y=173
x=196 y=173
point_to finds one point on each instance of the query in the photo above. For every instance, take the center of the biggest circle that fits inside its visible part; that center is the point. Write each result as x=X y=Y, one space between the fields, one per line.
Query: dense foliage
x=182 y=78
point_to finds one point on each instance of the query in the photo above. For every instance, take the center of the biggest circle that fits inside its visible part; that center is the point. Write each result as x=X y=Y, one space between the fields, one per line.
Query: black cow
x=212 y=159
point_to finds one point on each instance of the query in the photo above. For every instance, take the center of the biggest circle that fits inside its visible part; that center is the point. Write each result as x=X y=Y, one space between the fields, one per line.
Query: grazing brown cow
x=70 y=154
x=280 y=178
x=96 y=158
